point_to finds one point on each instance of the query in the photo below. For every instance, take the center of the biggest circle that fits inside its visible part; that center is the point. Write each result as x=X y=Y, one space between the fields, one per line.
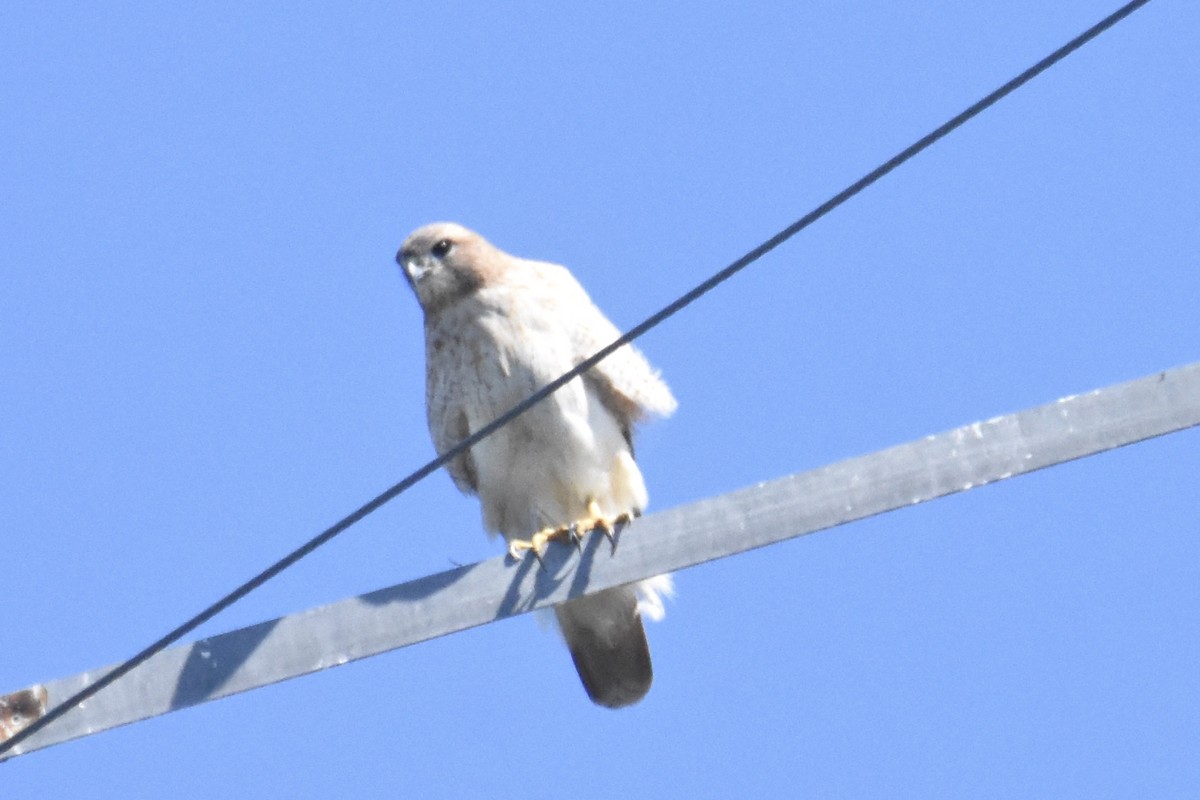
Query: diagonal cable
x=630 y=335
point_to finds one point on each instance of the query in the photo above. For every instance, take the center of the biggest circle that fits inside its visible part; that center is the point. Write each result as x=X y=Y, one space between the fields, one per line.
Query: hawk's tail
x=608 y=644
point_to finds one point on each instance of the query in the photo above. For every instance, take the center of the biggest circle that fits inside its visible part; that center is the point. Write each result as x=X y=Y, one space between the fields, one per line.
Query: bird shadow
x=419 y=589
x=560 y=563
x=211 y=662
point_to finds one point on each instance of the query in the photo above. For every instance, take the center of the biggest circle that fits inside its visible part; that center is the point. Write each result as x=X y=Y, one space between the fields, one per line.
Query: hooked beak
x=414 y=267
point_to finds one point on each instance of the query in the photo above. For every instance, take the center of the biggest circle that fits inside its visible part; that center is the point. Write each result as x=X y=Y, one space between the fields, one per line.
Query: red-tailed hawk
x=497 y=329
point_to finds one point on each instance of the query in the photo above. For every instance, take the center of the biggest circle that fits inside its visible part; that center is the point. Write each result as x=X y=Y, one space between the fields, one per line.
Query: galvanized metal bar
x=462 y=598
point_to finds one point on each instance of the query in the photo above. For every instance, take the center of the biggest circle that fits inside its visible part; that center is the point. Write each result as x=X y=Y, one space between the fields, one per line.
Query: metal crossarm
x=298 y=644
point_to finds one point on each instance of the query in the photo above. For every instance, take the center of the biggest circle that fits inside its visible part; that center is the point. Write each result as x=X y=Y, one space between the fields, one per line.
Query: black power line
x=633 y=333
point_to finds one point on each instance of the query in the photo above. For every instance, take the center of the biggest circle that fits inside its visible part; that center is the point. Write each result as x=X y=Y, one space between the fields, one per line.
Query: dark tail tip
x=608 y=645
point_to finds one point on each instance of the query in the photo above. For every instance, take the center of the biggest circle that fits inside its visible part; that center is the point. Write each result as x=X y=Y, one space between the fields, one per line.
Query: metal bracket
x=19 y=710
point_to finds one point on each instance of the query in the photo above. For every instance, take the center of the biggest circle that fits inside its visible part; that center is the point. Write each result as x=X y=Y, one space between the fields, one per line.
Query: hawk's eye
x=442 y=247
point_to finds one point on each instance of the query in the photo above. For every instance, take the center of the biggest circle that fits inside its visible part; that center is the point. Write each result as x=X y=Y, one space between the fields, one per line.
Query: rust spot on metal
x=19 y=709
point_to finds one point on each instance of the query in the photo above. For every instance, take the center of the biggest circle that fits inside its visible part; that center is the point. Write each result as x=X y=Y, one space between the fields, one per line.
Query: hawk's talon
x=518 y=547
x=535 y=544
x=609 y=531
x=573 y=533
x=611 y=527
x=619 y=524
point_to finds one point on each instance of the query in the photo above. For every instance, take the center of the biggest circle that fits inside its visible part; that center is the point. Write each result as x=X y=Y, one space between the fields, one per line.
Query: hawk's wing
x=448 y=424
x=625 y=381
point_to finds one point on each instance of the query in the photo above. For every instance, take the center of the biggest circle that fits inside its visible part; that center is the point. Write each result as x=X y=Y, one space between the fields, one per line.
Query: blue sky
x=209 y=356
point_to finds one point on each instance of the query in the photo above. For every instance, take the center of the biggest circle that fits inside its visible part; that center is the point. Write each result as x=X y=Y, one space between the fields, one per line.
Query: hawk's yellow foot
x=573 y=533
x=536 y=543
x=597 y=521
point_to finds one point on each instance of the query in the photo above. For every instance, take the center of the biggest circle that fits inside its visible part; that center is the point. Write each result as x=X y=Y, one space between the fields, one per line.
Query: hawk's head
x=444 y=262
